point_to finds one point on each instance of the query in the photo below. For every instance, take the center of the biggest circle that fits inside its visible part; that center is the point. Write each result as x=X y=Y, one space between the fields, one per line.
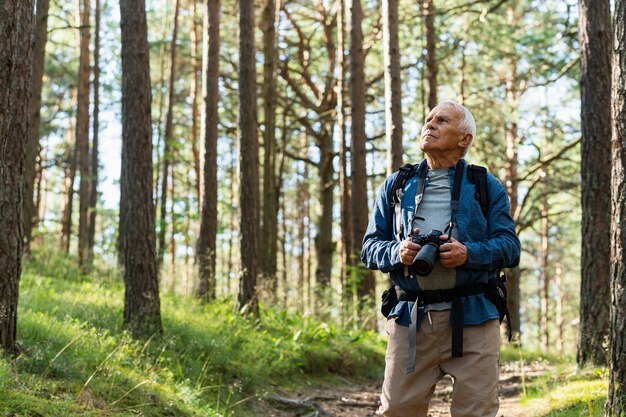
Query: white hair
x=468 y=124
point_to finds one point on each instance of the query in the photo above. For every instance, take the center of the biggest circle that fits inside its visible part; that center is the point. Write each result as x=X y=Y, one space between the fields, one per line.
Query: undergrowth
x=76 y=358
x=553 y=386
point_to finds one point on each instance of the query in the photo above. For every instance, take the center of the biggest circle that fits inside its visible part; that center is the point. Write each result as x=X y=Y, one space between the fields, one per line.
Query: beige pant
x=475 y=375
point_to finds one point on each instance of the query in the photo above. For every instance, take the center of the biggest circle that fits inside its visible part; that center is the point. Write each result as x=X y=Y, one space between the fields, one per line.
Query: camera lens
x=425 y=260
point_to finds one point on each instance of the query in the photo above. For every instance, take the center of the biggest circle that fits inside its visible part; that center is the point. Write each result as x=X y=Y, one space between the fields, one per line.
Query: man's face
x=441 y=134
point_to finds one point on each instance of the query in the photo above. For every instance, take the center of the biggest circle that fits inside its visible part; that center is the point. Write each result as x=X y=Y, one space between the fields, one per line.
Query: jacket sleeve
x=502 y=247
x=380 y=249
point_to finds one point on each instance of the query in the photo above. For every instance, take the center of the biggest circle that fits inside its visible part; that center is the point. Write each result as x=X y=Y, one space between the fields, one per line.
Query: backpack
x=496 y=291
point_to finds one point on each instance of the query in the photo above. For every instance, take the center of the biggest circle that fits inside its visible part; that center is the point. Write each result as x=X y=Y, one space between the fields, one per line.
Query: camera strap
x=456 y=195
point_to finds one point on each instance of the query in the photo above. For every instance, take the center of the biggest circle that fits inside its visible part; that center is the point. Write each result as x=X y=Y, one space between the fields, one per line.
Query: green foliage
x=76 y=357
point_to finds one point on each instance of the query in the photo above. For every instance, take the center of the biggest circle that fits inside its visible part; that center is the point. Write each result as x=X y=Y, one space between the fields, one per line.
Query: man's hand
x=408 y=249
x=453 y=253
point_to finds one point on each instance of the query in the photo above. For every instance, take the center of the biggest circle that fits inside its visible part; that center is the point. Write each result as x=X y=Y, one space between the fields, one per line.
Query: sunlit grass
x=565 y=391
x=77 y=359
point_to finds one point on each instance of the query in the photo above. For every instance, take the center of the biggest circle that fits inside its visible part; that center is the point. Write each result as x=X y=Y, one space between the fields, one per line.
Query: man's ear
x=466 y=141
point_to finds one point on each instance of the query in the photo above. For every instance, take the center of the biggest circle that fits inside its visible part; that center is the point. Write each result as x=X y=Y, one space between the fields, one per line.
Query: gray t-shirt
x=434 y=214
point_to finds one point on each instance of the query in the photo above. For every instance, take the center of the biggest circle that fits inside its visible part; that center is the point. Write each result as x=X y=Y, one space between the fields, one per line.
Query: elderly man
x=441 y=247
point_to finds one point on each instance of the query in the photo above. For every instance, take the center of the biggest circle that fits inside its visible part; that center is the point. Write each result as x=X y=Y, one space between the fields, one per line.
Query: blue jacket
x=491 y=241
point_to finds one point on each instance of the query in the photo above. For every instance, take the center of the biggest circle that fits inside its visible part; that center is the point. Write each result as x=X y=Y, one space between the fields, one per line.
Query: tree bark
x=96 y=133
x=595 y=90
x=428 y=12
x=366 y=282
x=82 y=134
x=558 y=281
x=32 y=147
x=345 y=201
x=248 y=160
x=71 y=153
x=393 y=86
x=207 y=245
x=511 y=167
x=270 y=192
x=16 y=32
x=545 y=275
x=194 y=102
x=616 y=400
x=169 y=139
x=142 y=307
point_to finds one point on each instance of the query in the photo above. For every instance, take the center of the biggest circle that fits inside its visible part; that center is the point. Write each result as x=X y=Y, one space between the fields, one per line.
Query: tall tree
x=320 y=100
x=71 y=154
x=594 y=33
x=544 y=264
x=428 y=14
x=345 y=202
x=616 y=400
x=366 y=285
x=393 y=86
x=208 y=223
x=32 y=147
x=248 y=159
x=82 y=133
x=93 y=197
x=16 y=32
x=511 y=163
x=196 y=69
x=142 y=306
x=270 y=191
x=168 y=147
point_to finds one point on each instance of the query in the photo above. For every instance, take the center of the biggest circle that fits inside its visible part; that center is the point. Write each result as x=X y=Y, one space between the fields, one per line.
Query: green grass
x=562 y=390
x=76 y=358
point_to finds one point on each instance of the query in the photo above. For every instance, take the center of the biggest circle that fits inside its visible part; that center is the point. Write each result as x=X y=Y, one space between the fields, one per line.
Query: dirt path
x=363 y=401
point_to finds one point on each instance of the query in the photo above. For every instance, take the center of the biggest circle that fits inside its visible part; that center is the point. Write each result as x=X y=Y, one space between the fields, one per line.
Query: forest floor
x=355 y=400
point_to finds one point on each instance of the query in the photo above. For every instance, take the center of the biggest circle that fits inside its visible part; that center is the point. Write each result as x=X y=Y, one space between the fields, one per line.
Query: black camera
x=425 y=259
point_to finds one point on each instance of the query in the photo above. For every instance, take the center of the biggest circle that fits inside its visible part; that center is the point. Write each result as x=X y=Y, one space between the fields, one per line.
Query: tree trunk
x=16 y=32
x=324 y=245
x=32 y=147
x=511 y=166
x=96 y=132
x=270 y=200
x=393 y=86
x=82 y=134
x=233 y=214
x=207 y=245
x=347 y=247
x=300 y=237
x=545 y=275
x=172 y=225
x=308 y=275
x=169 y=139
x=40 y=193
x=366 y=283
x=194 y=102
x=428 y=13
x=558 y=281
x=70 y=176
x=248 y=160
x=161 y=105
x=142 y=306
x=595 y=90
x=616 y=400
